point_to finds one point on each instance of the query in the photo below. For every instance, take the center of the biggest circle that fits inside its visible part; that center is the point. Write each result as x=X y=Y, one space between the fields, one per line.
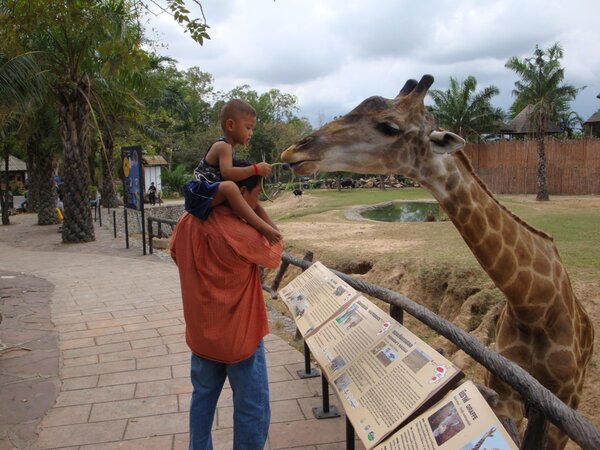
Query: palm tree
x=541 y=85
x=40 y=135
x=20 y=84
x=464 y=111
x=76 y=38
x=569 y=122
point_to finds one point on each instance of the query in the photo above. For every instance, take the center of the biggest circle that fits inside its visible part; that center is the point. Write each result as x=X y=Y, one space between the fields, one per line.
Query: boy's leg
x=230 y=192
x=251 y=409
x=207 y=378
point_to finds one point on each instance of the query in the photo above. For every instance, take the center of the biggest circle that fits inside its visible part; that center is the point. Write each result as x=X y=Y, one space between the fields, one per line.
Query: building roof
x=154 y=160
x=522 y=124
x=14 y=164
x=594 y=119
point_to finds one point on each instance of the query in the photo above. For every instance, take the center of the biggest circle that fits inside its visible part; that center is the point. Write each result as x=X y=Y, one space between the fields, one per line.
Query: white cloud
x=332 y=54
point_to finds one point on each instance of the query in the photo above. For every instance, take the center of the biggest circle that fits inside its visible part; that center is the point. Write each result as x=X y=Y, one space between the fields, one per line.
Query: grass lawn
x=573 y=222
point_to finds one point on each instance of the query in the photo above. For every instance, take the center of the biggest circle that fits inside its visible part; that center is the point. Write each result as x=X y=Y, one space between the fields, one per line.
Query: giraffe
x=542 y=326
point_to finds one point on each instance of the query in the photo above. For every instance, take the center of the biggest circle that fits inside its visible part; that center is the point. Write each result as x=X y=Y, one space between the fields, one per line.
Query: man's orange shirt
x=223 y=304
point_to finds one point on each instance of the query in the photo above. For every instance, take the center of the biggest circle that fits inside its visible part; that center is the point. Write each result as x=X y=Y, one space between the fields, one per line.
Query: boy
x=215 y=176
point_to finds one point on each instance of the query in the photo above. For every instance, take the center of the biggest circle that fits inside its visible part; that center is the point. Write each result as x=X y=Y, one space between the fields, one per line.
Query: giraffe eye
x=389 y=128
x=304 y=141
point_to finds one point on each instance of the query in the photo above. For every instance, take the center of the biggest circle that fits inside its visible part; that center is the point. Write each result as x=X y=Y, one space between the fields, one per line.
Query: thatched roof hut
x=522 y=124
x=592 y=125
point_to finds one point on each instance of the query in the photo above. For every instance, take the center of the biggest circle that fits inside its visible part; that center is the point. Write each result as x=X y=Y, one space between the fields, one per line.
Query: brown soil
x=429 y=264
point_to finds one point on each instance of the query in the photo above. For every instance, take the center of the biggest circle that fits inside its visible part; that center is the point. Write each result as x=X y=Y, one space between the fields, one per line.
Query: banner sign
x=133 y=179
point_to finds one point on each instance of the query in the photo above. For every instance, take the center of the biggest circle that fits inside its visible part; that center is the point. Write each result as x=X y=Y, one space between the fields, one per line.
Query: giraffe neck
x=522 y=261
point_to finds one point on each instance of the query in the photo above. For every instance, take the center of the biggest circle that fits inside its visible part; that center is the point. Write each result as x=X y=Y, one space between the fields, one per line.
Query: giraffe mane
x=468 y=165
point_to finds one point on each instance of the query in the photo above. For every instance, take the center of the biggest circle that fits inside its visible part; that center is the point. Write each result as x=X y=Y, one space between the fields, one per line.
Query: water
x=403 y=212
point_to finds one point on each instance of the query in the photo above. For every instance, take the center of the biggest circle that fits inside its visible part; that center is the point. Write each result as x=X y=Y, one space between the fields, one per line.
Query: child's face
x=242 y=128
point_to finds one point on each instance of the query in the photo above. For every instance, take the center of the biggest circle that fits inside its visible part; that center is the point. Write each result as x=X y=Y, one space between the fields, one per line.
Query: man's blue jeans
x=251 y=410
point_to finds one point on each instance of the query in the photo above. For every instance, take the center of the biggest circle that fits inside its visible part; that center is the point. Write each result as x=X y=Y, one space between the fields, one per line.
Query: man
x=152 y=193
x=218 y=261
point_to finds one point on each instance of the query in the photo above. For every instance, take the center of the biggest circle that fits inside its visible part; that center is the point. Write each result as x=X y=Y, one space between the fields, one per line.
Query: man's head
x=249 y=187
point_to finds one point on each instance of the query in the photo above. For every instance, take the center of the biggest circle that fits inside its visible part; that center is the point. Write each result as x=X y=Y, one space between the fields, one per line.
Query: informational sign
x=133 y=177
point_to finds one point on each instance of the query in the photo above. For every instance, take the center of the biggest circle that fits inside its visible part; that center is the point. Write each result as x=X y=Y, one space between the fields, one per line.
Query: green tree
x=40 y=135
x=542 y=85
x=20 y=87
x=570 y=123
x=76 y=38
x=464 y=111
x=175 y=179
x=178 y=9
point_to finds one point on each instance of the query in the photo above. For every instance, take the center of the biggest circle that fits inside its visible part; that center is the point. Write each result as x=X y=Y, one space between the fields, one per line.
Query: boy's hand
x=264 y=169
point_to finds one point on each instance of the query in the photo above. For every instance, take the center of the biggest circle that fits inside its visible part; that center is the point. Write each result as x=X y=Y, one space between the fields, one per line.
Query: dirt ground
x=431 y=265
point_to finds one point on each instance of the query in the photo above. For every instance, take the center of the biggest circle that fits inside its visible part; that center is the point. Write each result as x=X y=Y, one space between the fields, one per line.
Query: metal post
x=349 y=435
x=100 y=214
x=126 y=228
x=308 y=372
x=150 y=234
x=326 y=412
x=397 y=313
x=143 y=231
x=115 y=223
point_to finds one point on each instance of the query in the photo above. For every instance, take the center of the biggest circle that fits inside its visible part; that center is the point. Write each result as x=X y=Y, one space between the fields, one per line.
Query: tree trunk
x=47 y=188
x=542 y=192
x=4 y=192
x=74 y=132
x=33 y=190
x=109 y=195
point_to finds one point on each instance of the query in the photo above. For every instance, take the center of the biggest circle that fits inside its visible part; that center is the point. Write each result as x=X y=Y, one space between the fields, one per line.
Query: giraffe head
x=379 y=136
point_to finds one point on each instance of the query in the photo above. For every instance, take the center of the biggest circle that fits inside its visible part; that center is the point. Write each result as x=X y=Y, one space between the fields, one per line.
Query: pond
x=403 y=212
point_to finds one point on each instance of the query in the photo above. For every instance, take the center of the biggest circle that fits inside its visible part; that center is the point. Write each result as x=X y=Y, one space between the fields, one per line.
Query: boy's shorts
x=198 y=196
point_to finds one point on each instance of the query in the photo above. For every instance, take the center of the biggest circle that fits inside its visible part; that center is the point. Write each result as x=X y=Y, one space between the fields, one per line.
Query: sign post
x=133 y=184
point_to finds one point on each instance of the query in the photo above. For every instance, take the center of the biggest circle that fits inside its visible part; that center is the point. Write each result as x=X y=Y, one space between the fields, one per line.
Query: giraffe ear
x=445 y=142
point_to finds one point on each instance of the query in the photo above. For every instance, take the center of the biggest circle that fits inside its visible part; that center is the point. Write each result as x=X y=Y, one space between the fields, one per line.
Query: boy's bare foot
x=272 y=235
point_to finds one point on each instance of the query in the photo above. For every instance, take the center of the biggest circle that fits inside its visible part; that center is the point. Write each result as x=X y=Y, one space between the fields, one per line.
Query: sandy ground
x=336 y=241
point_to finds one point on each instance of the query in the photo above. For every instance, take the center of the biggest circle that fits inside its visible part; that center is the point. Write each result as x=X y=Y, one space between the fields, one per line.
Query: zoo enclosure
x=541 y=404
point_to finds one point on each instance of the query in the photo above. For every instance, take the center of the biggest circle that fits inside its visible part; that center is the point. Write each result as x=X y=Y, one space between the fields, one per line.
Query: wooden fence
x=510 y=167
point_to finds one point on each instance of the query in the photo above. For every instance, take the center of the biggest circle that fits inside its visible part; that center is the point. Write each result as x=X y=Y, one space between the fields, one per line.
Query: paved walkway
x=92 y=353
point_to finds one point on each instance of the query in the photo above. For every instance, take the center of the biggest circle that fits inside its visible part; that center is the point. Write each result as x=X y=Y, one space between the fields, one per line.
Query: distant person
x=24 y=203
x=59 y=202
x=225 y=317
x=152 y=194
x=215 y=176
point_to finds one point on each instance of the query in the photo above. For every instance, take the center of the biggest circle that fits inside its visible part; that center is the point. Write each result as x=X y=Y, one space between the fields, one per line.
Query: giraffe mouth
x=306 y=167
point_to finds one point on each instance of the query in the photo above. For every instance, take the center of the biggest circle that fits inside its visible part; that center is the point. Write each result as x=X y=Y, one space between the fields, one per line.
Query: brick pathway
x=121 y=376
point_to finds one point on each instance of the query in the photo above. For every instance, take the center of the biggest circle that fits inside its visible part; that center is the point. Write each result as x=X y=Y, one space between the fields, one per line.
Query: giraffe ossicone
x=542 y=327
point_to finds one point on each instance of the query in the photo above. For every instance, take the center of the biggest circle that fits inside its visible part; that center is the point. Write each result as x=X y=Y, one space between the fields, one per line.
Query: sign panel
x=133 y=177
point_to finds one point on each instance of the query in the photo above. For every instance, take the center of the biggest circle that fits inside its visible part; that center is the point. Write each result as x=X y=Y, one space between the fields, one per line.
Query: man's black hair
x=250 y=182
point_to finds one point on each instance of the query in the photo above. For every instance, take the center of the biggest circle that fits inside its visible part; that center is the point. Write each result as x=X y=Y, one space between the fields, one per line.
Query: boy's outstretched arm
x=229 y=172
x=260 y=212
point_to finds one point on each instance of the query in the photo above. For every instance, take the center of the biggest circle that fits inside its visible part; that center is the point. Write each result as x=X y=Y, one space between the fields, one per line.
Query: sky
x=332 y=54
